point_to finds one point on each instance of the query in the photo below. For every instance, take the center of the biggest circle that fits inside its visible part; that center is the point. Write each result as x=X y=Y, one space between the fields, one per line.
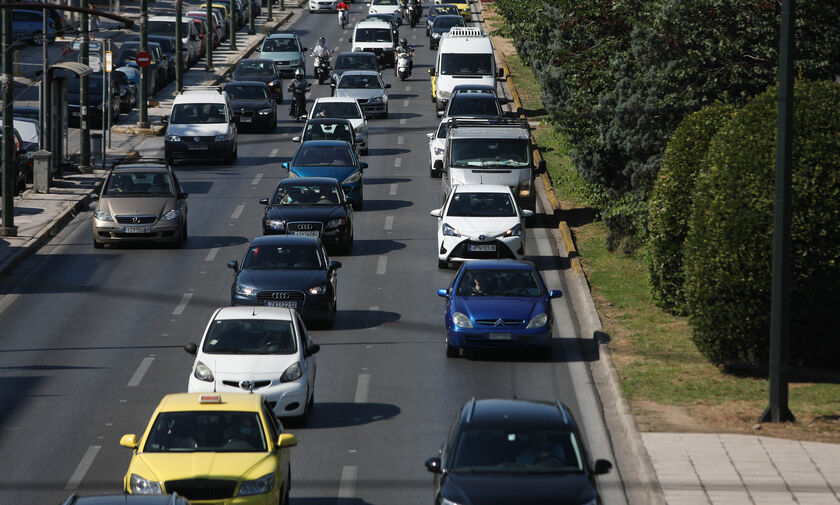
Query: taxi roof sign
x=210 y=398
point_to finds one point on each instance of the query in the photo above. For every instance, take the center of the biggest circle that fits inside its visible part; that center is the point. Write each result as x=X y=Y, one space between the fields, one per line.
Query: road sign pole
x=143 y=121
x=251 y=17
x=209 y=47
x=231 y=5
x=109 y=68
x=269 y=17
x=84 y=95
x=8 y=229
x=42 y=96
x=179 y=46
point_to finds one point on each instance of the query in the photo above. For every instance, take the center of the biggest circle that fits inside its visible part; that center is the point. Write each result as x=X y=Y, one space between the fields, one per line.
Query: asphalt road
x=91 y=340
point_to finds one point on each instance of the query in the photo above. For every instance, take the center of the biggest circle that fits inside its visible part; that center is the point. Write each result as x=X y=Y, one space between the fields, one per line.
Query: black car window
x=466 y=64
x=294 y=257
x=517 y=450
x=471 y=105
x=206 y=431
x=343 y=110
x=255 y=68
x=325 y=131
x=307 y=194
x=372 y=35
x=242 y=92
x=250 y=336
x=138 y=184
x=476 y=282
x=318 y=156
x=444 y=24
x=355 y=81
x=481 y=204
x=357 y=62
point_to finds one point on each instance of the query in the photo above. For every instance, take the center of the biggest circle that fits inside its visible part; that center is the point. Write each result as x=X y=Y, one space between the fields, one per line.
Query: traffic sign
x=143 y=59
x=93 y=46
x=109 y=61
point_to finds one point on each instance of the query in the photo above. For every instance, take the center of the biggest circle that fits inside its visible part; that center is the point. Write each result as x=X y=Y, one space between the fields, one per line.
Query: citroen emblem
x=135 y=220
x=247 y=385
x=280 y=296
x=499 y=322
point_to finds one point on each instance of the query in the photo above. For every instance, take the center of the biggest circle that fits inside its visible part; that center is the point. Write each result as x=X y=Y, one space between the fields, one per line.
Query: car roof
x=448 y=16
x=256 y=84
x=372 y=23
x=481 y=188
x=308 y=180
x=180 y=402
x=509 y=413
x=330 y=120
x=261 y=60
x=361 y=72
x=325 y=143
x=282 y=35
x=501 y=264
x=356 y=53
x=475 y=88
x=146 y=167
x=268 y=240
x=243 y=312
x=332 y=99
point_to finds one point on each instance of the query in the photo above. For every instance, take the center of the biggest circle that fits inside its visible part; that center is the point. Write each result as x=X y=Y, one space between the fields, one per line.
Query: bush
x=669 y=205
x=728 y=251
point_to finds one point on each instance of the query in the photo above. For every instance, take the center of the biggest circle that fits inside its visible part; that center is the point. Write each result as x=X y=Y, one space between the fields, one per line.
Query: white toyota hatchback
x=266 y=350
x=480 y=221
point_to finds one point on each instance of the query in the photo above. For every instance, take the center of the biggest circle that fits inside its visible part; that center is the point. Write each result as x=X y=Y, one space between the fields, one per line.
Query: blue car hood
x=504 y=489
x=339 y=173
x=506 y=307
x=282 y=279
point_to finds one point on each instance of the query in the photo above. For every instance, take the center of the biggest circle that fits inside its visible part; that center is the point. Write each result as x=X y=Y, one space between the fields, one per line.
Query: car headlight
x=538 y=321
x=376 y=99
x=516 y=231
x=435 y=35
x=139 y=485
x=103 y=216
x=461 y=320
x=439 y=151
x=444 y=501
x=202 y=372
x=275 y=224
x=443 y=93
x=224 y=137
x=449 y=231
x=171 y=215
x=335 y=223
x=524 y=189
x=258 y=486
x=318 y=290
x=354 y=177
x=264 y=112
x=244 y=290
x=293 y=373
x=173 y=138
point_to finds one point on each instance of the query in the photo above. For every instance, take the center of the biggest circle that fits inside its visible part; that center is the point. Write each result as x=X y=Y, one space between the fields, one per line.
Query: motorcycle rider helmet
x=322 y=41
x=299 y=74
x=404 y=42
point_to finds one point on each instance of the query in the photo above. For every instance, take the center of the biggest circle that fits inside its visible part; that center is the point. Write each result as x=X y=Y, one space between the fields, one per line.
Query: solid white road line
x=183 y=305
x=82 y=469
x=393 y=190
x=389 y=223
x=362 y=388
x=237 y=211
x=257 y=179
x=211 y=254
x=400 y=140
x=397 y=162
x=347 y=489
x=381 y=265
x=274 y=153
x=140 y=372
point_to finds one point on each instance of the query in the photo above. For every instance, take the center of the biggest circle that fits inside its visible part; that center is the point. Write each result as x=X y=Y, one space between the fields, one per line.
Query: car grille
x=243 y=113
x=284 y=63
x=139 y=219
x=257 y=384
x=186 y=138
x=297 y=296
x=376 y=50
x=505 y=323
x=502 y=251
x=305 y=226
x=202 y=489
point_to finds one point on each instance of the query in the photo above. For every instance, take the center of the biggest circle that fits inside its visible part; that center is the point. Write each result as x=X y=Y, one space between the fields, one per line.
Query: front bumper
x=313 y=308
x=110 y=232
x=287 y=69
x=252 y=119
x=329 y=237
x=321 y=6
x=203 y=149
x=498 y=338
x=374 y=109
x=286 y=399
x=465 y=249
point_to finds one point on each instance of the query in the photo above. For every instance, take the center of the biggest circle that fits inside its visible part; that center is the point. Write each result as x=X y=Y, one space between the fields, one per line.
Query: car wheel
x=359 y=204
x=183 y=238
x=452 y=351
x=304 y=418
x=364 y=151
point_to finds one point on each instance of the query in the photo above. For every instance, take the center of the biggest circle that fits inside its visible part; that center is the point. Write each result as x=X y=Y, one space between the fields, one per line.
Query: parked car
x=515 y=451
x=19 y=162
x=252 y=105
x=263 y=70
x=164 y=26
x=26 y=111
x=126 y=58
x=331 y=158
x=368 y=89
x=287 y=52
x=29 y=131
x=28 y=25
x=214 y=28
x=96 y=107
x=126 y=89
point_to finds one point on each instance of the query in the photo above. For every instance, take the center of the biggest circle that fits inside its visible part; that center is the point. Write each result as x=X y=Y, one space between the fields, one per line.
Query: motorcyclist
x=418 y=9
x=298 y=88
x=403 y=48
x=321 y=50
x=343 y=10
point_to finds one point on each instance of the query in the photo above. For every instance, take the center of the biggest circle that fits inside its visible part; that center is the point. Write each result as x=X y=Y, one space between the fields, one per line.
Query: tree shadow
x=578 y=216
x=345 y=414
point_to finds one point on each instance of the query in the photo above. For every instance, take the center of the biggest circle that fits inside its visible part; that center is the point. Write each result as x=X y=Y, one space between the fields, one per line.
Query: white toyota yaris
x=480 y=221
x=266 y=350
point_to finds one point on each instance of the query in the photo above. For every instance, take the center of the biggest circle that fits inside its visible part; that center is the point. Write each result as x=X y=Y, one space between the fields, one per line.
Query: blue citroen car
x=331 y=158
x=495 y=304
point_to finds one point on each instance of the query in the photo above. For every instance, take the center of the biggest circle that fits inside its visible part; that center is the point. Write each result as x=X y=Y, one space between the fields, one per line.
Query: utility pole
x=42 y=96
x=143 y=121
x=269 y=17
x=778 y=411
x=231 y=7
x=179 y=46
x=84 y=95
x=251 y=17
x=9 y=170
x=208 y=47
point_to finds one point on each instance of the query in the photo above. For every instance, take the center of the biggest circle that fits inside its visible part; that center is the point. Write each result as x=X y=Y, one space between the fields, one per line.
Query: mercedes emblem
x=135 y=220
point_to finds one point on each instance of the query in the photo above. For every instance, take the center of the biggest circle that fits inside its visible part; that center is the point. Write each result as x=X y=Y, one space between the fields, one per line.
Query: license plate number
x=137 y=229
x=289 y=304
x=245 y=119
x=197 y=148
x=483 y=247
x=499 y=336
x=306 y=233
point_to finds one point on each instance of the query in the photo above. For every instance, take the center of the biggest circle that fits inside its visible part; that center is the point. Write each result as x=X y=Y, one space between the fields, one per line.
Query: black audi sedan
x=310 y=206
x=287 y=271
x=515 y=451
x=252 y=105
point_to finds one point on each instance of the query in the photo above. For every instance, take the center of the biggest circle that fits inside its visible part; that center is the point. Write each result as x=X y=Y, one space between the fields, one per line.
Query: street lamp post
x=9 y=171
x=143 y=121
x=84 y=95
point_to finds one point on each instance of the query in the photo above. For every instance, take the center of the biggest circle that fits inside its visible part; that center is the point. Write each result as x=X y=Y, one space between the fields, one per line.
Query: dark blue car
x=495 y=304
x=331 y=158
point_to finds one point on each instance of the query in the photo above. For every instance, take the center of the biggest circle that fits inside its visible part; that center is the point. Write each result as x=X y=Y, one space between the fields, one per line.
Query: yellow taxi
x=212 y=448
x=463 y=7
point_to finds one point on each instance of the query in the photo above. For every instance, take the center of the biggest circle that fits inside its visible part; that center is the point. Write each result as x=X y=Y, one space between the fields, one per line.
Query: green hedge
x=669 y=205
x=728 y=251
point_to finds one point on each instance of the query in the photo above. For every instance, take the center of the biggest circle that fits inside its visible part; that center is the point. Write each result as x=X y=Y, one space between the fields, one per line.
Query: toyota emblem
x=197 y=139
x=280 y=296
x=481 y=237
x=247 y=385
x=135 y=220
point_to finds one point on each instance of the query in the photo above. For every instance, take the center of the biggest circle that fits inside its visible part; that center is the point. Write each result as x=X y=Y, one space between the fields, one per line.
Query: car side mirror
x=388 y=85
x=295 y=139
x=443 y=292
x=164 y=119
x=541 y=167
x=286 y=440
x=182 y=195
x=285 y=165
x=503 y=101
x=430 y=136
x=258 y=49
x=191 y=348
x=363 y=165
x=304 y=49
x=432 y=71
x=312 y=349
x=129 y=440
x=264 y=201
x=527 y=213
x=555 y=293
x=602 y=466
x=233 y=265
x=500 y=72
x=349 y=200
x=433 y=465
x=436 y=213
x=335 y=265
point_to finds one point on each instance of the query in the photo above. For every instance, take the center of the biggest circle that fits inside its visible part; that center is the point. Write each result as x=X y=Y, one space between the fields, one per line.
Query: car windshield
x=473 y=106
x=327 y=131
x=306 y=194
x=384 y=2
x=128 y=54
x=250 y=336
x=319 y=156
x=372 y=35
x=279 y=45
x=242 y=92
x=359 y=82
x=498 y=283
x=344 y=110
x=489 y=152
x=28 y=131
x=355 y=62
x=440 y=10
x=517 y=451
x=254 y=68
x=206 y=431
x=481 y=205
x=198 y=113
x=444 y=24
x=138 y=184
x=466 y=64
x=294 y=257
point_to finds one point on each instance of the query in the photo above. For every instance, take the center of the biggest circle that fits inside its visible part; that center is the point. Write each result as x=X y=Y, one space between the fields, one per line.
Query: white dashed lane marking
x=238 y=211
x=382 y=265
x=179 y=309
x=397 y=162
x=389 y=223
x=405 y=103
x=82 y=469
x=347 y=489
x=393 y=190
x=257 y=179
x=274 y=153
x=140 y=372
x=400 y=140
x=211 y=254
x=362 y=388
x=403 y=121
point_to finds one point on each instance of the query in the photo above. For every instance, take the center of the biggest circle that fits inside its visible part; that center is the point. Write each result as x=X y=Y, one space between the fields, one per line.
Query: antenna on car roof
x=254 y=311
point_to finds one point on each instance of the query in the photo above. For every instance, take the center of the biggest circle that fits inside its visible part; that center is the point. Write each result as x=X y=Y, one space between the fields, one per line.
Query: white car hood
x=250 y=366
x=197 y=130
x=384 y=9
x=472 y=227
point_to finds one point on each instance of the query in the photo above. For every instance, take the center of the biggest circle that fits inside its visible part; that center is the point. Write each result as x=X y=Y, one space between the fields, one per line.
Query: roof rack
x=217 y=88
x=141 y=159
x=502 y=121
x=464 y=31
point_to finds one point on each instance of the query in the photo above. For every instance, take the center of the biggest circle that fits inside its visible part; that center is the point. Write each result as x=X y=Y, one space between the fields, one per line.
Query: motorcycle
x=322 y=68
x=404 y=65
x=412 y=16
x=342 y=18
x=298 y=109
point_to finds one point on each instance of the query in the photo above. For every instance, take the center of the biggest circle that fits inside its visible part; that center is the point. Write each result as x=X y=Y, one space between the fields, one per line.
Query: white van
x=201 y=126
x=165 y=26
x=465 y=56
x=374 y=36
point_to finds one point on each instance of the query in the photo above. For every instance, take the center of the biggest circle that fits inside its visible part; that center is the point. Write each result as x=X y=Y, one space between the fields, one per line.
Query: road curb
x=608 y=386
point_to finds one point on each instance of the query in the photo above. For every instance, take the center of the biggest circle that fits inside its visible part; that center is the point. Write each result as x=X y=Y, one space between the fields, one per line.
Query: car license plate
x=483 y=248
x=137 y=229
x=306 y=233
x=245 y=119
x=289 y=304
x=199 y=147
x=75 y=113
x=500 y=336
